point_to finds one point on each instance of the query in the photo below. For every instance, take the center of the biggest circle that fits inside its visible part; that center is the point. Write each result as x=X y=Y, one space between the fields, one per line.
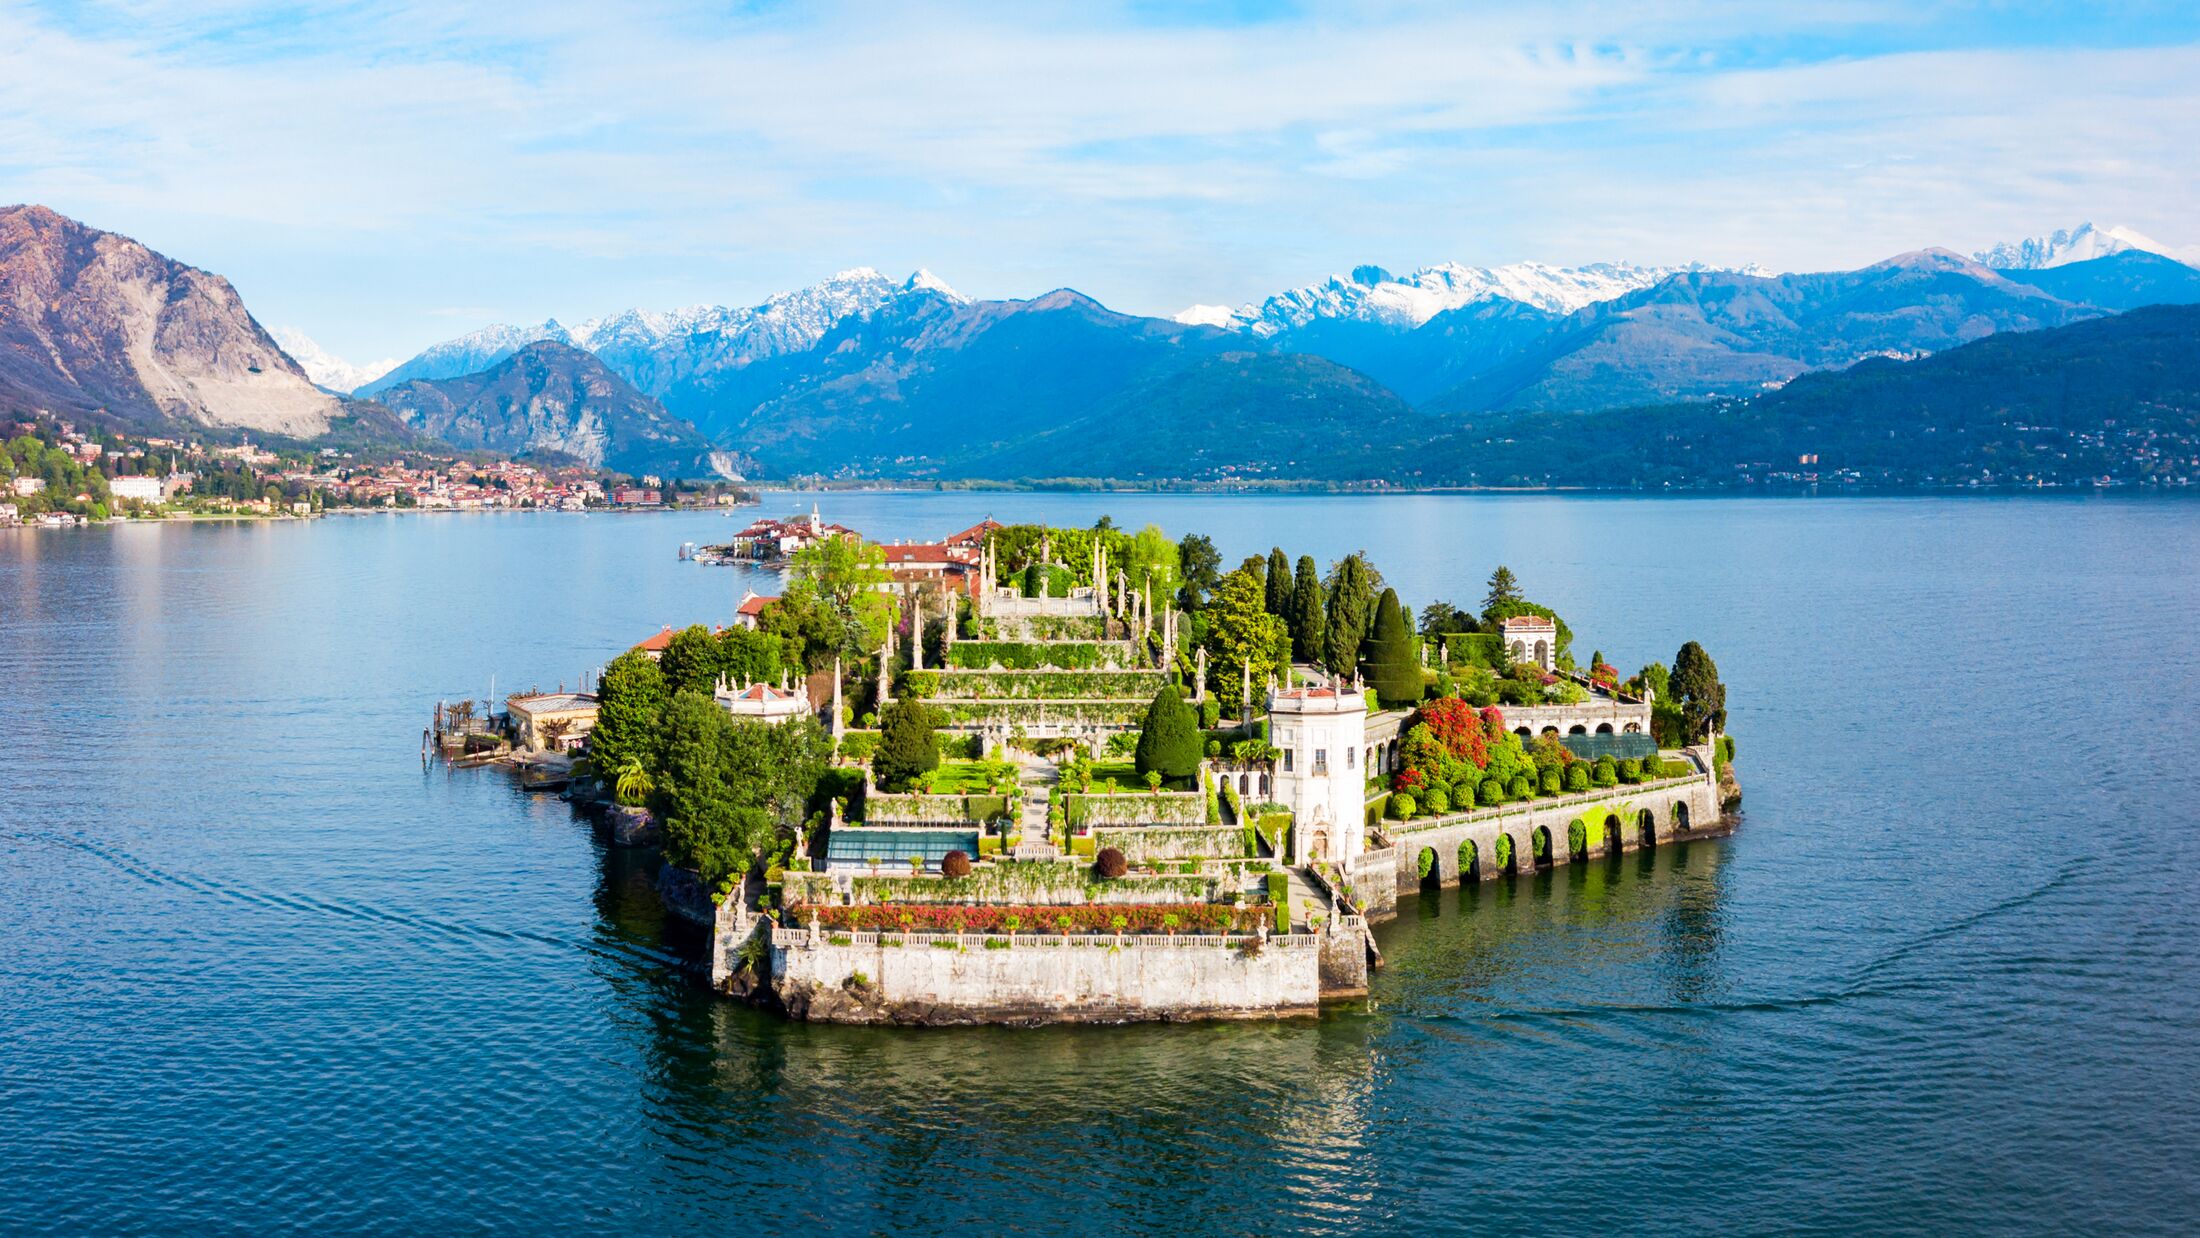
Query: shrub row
x=1116 y=918
x=1039 y=685
x=1279 y=899
x=1014 y=655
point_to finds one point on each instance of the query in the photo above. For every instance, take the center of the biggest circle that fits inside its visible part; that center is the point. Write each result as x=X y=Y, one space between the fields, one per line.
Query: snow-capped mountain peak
x=2080 y=244
x=1373 y=294
x=654 y=349
x=327 y=370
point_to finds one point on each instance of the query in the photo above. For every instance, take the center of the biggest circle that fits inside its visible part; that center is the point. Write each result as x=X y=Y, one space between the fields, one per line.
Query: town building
x=136 y=489
x=551 y=721
x=750 y=613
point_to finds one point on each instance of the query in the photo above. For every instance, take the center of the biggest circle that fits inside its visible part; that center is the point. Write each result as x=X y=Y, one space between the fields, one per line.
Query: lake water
x=261 y=970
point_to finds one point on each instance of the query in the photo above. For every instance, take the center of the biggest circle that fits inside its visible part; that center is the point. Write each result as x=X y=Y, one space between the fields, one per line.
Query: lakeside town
x=56 y=474
x=1028 y=774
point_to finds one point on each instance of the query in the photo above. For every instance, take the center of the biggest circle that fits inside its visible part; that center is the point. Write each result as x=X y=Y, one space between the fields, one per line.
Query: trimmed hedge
x=1017 y=655
x=1040 y=685
x=1279 y=896
x=1136 y=808
x=884 y=809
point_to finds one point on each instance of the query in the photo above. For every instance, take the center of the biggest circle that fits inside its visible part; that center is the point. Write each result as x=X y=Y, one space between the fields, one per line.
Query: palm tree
x=634 y=783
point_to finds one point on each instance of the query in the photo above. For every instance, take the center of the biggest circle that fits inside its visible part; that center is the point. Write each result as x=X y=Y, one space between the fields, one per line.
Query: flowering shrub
x=1134 y=918
x=1453 y=723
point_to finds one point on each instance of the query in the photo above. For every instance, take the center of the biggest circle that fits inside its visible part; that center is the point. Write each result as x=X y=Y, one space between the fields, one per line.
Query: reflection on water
x=261 y=971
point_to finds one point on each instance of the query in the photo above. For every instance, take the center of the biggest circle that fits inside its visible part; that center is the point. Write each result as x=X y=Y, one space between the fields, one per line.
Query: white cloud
x=348 y=164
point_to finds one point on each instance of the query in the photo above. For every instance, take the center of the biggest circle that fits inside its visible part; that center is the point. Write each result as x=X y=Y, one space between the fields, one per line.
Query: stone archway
x=1470 y=861
x=1524 y=733
x=1506 y=862
x=1680 y=816
x=1318 y=848
x=1604 y=728
x=1646 y=828
x=1539 y=846
x=1634 y=728
x=1614 y=843
x=1425 y=864
x=1542 y=652
x=1577 y=729
x=1264 y=786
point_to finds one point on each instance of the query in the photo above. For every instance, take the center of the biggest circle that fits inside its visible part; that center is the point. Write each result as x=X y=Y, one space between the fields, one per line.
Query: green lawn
x=959 y=778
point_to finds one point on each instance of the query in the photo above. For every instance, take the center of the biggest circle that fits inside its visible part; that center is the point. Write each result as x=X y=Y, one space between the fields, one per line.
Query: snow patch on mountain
x=654 y=348
x=1372 y=294
x=2080 y=244
x=327 y=370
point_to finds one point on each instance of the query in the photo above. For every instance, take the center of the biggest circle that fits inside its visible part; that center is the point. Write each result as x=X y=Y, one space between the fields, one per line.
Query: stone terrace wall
x=1042 y=979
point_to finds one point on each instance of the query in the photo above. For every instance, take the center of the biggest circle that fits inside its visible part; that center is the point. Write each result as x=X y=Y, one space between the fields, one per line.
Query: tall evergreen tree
x=1503 y=589
x=1279 y=583
x=1309 y=625
x=1170 y=741
x=1391 y=668
x=1352 y=587
x=1702 y=698
x=1243 y=637
x=907 y=746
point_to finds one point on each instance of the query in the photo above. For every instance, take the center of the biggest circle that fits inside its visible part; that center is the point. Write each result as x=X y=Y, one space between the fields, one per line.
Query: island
x=1030 y=775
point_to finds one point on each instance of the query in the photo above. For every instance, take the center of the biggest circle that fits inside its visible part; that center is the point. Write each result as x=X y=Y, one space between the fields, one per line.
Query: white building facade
x=1319 y=735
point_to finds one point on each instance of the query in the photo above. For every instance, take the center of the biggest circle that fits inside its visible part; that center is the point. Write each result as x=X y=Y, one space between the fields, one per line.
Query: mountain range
x=552 y=400
x=865 y=375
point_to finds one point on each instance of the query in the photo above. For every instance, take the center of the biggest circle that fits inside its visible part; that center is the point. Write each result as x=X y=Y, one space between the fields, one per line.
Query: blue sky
x=384 y=176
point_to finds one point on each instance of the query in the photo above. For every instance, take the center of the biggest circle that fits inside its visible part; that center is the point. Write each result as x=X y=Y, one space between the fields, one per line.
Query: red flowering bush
x=1604 y=674
x=1085 y=918
x=1453 y=723
x=1409 y=780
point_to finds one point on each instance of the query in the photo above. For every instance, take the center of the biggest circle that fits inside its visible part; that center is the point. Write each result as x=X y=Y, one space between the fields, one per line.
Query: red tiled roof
x=976 y=533
x=657 y=643
x=1532 y=622
x=921 y=552
x=754 y=604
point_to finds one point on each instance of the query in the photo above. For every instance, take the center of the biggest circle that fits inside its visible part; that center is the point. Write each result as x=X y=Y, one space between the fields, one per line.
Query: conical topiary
x=1390 y=667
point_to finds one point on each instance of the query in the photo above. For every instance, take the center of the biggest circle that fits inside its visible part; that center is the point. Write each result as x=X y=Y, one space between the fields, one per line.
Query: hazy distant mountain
x=1700 y=335
x=94 y=324
x=1232 y=415
x=327 y=370
x=2123 y=280
x=550 y=398
x=933 y=378
x=2080 y=244
x=2113 y=397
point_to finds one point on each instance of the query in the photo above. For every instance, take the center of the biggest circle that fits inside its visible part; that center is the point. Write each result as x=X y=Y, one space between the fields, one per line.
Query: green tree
x=1503 y=588
x=834 y=591
x=1169 y=744
x=1702 y=698
x=908 y=746
x=630 y=705
x=1199 y=566
x=1309 y=625
x=750 y=654
x=691 y=661
x=1242 y=636
x=1278 y=583
x=1352 y=587
x=1391 y=668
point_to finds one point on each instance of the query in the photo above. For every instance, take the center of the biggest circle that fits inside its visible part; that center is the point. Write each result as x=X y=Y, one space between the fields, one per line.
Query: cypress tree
x=1351 y=606
x=1279 y=583
x=1170 y=741
x=1390 y=668
x=907 y=745
x=1309 y=626
x=1695 y=685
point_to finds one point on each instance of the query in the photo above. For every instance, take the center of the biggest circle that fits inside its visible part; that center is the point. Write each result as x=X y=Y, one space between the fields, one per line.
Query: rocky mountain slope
x=1702 y=335
x=552 y=399
x=95 y=325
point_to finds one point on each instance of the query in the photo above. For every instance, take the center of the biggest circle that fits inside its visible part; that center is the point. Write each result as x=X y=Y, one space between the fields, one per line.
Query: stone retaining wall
x=1042 y=979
